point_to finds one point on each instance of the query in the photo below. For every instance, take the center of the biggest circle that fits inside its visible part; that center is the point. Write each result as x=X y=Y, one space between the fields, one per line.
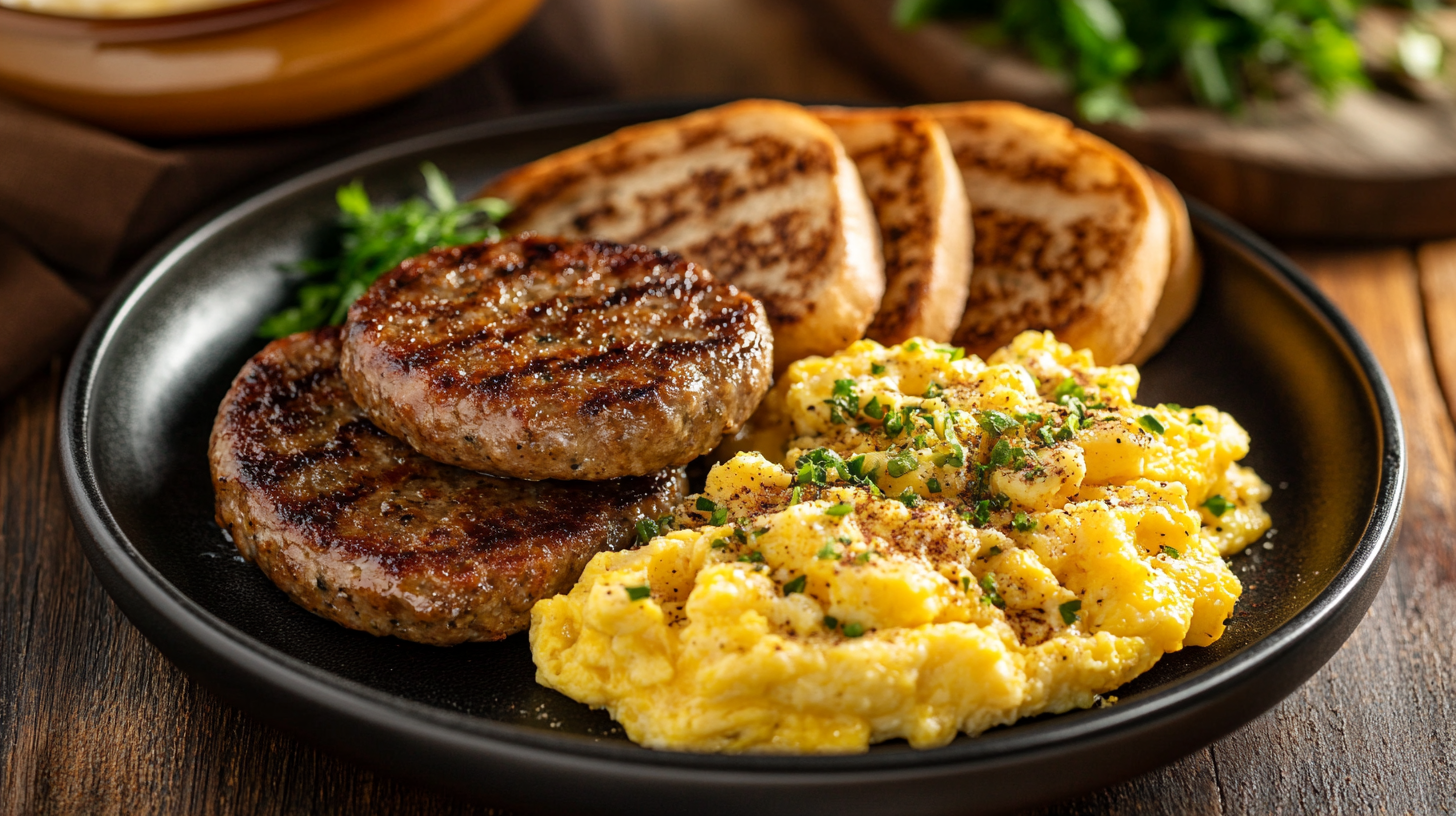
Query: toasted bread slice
x=920 y=203
x=760 y=192
x=1069 y=234
x=1185 y=273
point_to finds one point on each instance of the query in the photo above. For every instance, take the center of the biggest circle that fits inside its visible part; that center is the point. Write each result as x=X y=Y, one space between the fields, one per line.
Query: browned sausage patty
x=545 y=359
x=357 y=527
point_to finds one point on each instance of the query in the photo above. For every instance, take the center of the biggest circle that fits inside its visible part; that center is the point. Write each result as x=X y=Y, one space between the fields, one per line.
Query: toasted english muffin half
x=1069 y=235
x=924 y=217
x=760 y=192
x=1185 y=273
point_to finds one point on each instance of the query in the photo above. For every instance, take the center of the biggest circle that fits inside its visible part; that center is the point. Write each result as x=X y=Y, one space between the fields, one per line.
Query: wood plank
x=1437 y=263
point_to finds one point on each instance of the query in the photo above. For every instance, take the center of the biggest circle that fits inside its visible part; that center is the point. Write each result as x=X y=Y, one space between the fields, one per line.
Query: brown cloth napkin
x=79 y=204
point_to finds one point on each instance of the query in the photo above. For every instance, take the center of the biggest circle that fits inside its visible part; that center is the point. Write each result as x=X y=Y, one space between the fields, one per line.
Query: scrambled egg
x=948 y=545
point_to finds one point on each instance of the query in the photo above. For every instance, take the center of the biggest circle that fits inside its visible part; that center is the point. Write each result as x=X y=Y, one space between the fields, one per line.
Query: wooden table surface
x=94 y=720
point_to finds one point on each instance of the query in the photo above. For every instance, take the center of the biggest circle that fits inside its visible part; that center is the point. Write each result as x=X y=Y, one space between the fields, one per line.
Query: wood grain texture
x=1437 y=263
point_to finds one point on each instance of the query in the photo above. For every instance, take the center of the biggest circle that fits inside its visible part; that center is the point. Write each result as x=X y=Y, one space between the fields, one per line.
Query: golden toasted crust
x=1068 y=233
x=761 y=192
x=1185 y=273
x=915 y=187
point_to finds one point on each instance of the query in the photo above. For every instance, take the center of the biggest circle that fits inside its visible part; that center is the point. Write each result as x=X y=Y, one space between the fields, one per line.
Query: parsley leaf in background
x=1225 y=51
x=373 y=241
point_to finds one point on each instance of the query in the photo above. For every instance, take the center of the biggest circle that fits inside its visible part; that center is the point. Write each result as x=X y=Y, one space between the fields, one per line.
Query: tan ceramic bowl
x=245 y=65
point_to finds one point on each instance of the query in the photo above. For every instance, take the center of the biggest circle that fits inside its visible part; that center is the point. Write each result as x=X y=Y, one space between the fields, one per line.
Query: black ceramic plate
x=140 y=399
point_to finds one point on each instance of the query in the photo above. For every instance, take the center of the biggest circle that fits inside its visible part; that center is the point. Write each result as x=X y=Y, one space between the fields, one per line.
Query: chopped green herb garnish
x=1068 y=388
x=838 y=510
x=1069 y=611
x=989 y=593
x=955 y=457
x=794 y=495
x=934 y=390
x=1194 y=419
x=853 y=630
x=754 y=557
x=874 y=409
x=705 y=504
x=831 y=622
x=965 y=583
x=1151 y=423
x=646 y=530
x=901 y=464
x=1171 y=552
x=952 y=353
x=876 y=369
x=796 y=585
x=893 y=425
x=993 y=552
x=982 y=515
x=1023 y=523
x=827 y=552
x=908 y=497
x=719 y=543
x=637 y=593
x=1000 y=454
x=1173 y=406
x=933 y=485
x=1218 y=505
x=371 y=241
x=1045 y=435
x=996 y=422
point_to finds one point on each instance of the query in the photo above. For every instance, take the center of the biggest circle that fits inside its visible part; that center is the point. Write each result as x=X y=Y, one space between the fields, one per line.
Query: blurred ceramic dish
x=241 y=66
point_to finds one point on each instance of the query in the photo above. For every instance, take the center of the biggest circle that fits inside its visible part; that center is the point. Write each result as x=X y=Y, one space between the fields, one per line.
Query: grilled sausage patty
x=357 y=527
x=553 y=359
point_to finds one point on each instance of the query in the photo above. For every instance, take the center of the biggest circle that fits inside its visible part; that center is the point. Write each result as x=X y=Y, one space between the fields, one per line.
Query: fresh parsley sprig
x=373 y=240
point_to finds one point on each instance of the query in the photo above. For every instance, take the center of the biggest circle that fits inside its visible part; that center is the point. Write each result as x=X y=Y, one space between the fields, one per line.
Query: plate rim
x=193 y=634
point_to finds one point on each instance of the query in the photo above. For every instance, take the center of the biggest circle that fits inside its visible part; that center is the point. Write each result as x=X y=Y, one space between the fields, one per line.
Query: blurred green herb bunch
x=1225 y=51
x=373 y=240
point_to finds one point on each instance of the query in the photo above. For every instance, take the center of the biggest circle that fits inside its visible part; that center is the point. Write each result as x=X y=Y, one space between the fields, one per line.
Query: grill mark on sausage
x=543 y=358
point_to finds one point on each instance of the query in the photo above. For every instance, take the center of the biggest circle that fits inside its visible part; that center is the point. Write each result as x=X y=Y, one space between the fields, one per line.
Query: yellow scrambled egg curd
x=948 y=546
x=822 y=618
x=1023 y=432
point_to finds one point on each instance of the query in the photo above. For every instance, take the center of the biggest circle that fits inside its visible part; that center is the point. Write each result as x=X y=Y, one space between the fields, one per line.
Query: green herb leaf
x=1151 y=423
x=989 y=594
x=827 y=552
x=1023 y=523
x=838 y=510
x=902 y=463
x=853 y=630
x=909 y=498
x=1069 y=611
x=1218 y=505
x=637 y=593
x=1171 y=552
x=933 y=485
x=877 y=369
x=996 y=422
x=754 y=557
x=371 y=241
x=794 y=495
x=796 y=585
x=646 y=530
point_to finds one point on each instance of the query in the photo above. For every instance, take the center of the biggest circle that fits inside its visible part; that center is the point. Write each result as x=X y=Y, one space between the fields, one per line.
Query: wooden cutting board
x=1374 y=166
